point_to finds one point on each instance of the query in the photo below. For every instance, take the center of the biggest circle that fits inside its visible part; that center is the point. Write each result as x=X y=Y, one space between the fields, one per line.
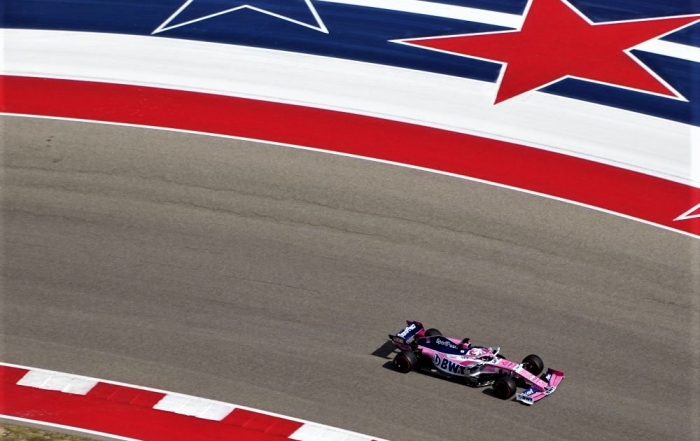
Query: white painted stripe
x=35 y=379
x=616 y=137
x=669 y=49
x=250 y=409
x=66 y=428
x=67 y=383
x=79 y=386
x=315 y=432
x=440 y=10
x=682 y=51
x=151 y=389
x=193 y=406
x=215 y=411
x=693 y=213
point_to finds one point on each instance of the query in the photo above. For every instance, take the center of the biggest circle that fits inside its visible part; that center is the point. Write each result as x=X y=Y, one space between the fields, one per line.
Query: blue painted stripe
x=683 y=75
x=689 y=36
x=613 y=10
x=506 y=6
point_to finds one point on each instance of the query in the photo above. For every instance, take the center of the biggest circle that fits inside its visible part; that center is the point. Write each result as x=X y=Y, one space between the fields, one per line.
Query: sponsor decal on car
x=456 y=357
x=528 y=392
x=406 y=330
x=447 y=343
x=525 y=397
x=448 y=366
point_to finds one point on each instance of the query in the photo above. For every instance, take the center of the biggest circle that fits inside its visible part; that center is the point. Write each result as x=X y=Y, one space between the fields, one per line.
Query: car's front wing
x=539 y=388
x=536 y=392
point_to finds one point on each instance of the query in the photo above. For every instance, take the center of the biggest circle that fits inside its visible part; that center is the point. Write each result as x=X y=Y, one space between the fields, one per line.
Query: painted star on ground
x=557 y=41
x=300 y=12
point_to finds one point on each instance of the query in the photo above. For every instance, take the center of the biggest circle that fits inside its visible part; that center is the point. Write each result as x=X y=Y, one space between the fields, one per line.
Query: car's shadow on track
x=384 y=350
x=490 y=392
x=389 y=365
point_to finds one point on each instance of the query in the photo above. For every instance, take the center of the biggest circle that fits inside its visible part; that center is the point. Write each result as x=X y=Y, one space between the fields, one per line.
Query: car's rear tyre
x=432 y=332
x=504 y=387
x=405 y=361
x=533 y=364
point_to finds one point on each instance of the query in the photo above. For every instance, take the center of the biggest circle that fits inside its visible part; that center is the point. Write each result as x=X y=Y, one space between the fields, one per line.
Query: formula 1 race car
x=477 y=366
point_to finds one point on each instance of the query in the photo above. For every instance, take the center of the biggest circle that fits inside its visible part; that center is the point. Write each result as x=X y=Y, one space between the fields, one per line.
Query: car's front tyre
x=504 y=387
x=533 y=364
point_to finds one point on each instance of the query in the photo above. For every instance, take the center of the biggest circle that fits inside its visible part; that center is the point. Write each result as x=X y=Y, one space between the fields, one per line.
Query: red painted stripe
x=626 y=192
x=264 y=423
x=127 y=395
x=10 y=376
x=112 y=411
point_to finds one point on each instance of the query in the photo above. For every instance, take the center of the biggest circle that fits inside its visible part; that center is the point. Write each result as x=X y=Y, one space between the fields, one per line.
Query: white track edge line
x=366 y=158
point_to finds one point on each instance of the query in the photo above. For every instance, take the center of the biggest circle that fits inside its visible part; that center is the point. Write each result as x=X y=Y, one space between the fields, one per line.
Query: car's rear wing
x=408 y=334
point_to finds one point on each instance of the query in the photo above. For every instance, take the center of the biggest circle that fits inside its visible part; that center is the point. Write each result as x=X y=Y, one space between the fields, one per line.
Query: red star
x=557 y=41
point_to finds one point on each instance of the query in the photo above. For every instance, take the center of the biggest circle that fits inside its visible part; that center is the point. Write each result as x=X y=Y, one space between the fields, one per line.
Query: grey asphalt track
x=268 y=276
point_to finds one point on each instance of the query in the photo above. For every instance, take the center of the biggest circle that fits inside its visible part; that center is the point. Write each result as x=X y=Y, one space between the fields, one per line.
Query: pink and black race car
x=478 y=366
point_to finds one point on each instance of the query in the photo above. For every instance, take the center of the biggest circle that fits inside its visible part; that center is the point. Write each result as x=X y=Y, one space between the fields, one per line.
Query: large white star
x=241 y=4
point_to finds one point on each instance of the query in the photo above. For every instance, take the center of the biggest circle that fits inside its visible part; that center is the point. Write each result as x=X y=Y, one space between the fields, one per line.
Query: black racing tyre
x=432 y=332
x=405 y=361
x=533 y=364
x=504 y=387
